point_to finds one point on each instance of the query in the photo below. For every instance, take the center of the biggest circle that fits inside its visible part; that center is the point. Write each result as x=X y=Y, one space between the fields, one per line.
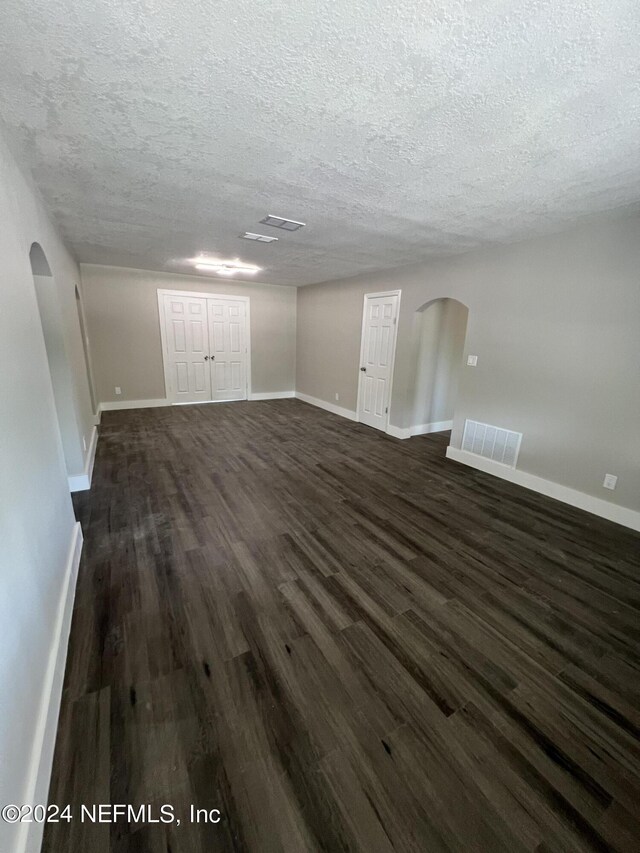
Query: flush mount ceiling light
x=281 y=222
x=225 y=267
x=259 y=238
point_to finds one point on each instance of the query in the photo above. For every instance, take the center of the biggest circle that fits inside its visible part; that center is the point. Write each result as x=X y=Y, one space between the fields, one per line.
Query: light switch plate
x=610 y=481
x=472 y=360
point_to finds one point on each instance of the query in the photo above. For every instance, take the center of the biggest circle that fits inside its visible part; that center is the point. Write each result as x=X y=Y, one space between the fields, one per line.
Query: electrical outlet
x=472 y=360
x=337 y=396
x=610 y=481
x=118 y=389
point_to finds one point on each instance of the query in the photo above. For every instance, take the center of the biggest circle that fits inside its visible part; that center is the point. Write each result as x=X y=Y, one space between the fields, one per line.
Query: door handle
x=206 y=358
x=363 y=369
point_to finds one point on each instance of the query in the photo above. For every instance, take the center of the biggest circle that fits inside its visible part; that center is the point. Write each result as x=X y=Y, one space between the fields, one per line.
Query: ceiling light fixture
x=259 y=238
x=225 y=267
x=281 y=222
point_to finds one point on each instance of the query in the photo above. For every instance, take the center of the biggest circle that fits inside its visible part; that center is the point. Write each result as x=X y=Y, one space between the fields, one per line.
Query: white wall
x=121 y=307
x=555 y=323
x=37 y=523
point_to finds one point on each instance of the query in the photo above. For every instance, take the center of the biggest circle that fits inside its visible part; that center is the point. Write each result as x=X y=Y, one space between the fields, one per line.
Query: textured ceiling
x=397 y=130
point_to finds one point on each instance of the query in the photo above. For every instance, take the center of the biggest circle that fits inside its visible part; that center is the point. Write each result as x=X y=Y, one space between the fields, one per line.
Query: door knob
x=206 y=358
x=363 y=369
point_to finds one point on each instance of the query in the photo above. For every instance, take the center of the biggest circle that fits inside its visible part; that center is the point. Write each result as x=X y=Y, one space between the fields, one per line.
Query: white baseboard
x=329 y=407
x=398 y=432
x=272 y=395
x=421 y=429
x=596 y=506
x=82 y=482
x=436 y=426
x=44 y=740
x=96 y=418
x=117 y=405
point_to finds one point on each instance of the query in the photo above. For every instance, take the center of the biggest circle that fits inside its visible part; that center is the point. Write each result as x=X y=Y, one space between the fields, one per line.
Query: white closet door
x=187 y=344
x=376 y=365
x=228 y=349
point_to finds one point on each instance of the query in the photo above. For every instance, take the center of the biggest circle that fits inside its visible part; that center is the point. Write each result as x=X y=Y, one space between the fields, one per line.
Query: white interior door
x=228 y=349
x=376 y=358
x=187 y=349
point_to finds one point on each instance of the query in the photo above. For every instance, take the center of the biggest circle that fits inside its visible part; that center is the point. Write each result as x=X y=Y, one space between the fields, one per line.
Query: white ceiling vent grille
x=259 y=238
x=281 y=222
x=501 y=445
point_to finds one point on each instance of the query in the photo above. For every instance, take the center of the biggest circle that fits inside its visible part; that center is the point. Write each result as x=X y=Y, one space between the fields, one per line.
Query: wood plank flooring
x=343 y=642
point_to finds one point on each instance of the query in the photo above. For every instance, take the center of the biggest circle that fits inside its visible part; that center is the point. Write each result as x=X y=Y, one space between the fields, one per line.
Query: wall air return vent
x=500 y=445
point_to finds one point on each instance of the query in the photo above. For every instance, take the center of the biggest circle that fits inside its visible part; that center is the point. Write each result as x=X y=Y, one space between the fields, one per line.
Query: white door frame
x=201 y=295
x=397 y=293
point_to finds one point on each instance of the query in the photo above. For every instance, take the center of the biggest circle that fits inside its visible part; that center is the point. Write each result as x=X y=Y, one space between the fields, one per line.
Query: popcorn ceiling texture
x=396 y=130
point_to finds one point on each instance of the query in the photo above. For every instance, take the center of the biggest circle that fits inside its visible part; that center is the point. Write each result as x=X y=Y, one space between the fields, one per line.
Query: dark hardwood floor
x=343 y=642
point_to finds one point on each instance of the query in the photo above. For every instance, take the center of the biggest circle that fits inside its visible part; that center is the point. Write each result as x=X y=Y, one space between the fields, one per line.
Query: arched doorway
x=59 y=368
x=440 y=328
x=85 y=348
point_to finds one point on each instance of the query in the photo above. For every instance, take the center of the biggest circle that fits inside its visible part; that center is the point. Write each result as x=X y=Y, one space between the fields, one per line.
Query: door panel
x=228 y=347
x=179 y=336
x=197 y=336
x=200 y=377
x=187 y=337
x=378 y=343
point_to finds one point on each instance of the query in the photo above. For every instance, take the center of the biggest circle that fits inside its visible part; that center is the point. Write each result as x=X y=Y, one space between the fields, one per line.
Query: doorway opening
x=57 y=359
x=85 y=347
x=440 y=328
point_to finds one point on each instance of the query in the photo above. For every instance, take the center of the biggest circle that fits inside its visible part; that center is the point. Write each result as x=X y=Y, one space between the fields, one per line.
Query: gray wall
x=440 y=330
x=555 y=323
x=121 y=307
x=62 y=378
x=59 y=318
x=36 y=516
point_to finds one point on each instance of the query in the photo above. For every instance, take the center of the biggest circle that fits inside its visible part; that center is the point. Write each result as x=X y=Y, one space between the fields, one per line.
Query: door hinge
x=386 y=411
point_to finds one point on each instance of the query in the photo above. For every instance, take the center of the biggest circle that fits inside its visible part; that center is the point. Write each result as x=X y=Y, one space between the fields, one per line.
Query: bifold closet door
x=187 y=345
x=228 y=349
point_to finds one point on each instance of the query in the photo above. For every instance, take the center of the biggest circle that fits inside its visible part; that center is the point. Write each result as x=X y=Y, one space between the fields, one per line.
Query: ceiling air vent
x=281 y=222
x=259 y=238
x=500 y=445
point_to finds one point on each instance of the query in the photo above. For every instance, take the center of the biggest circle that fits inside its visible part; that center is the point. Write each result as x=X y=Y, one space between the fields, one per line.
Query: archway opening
x=85 y=348
x=58 y=362
x=440 y=328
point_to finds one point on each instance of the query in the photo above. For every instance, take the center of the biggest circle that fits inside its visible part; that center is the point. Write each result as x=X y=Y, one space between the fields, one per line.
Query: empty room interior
x=319 y=426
